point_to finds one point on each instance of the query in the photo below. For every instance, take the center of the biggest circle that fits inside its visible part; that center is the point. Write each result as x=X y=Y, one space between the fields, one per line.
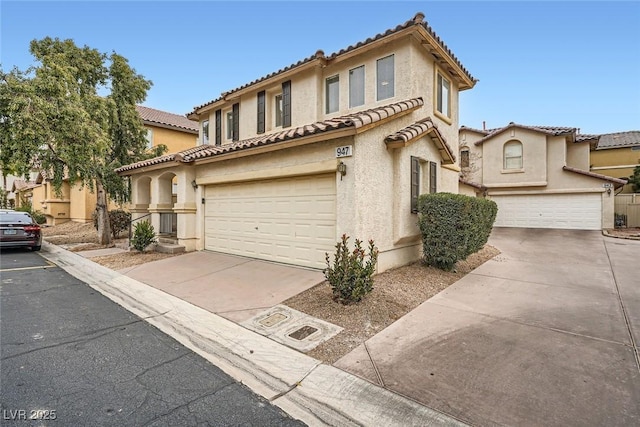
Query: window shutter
x=433 y=177
x=286 y=104
x=415 y=183
x=236 y=121
x=218 y=127
x=261 y=111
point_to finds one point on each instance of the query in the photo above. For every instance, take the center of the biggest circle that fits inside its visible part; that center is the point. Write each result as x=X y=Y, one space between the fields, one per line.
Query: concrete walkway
x=233 y=287
x=541 y=335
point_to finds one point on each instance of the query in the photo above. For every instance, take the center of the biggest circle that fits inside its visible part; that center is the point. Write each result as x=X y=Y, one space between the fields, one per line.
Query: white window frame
x=205 y=132
x=149 y=138
x=351 y=85
x=228 y=124
x=392 y=83
x=278 y=110
x=443 y=96
x=328 y=84
x=506 y=157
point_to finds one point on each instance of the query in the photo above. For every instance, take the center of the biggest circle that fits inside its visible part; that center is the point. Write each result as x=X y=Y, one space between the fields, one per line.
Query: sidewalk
x=536 y=336
x=305 y=388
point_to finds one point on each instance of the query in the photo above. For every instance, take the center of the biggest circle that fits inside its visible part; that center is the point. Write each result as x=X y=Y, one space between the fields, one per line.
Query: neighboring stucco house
x=538 y=175
x=77 y=203
x=616 y=155
x=333 y=144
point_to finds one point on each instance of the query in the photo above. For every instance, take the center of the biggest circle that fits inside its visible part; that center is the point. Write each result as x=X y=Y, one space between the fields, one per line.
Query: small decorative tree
x=143 y=235
x=350 y=276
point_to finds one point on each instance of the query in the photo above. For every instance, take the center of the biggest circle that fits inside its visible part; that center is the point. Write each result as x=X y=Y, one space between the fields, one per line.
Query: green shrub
x=143 y=235
x=118 y=219
x=350 y=276
x=453 y=226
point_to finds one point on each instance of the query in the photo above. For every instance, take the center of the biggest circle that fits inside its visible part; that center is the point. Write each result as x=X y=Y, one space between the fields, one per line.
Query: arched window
x=512 y=155
x=464 y=157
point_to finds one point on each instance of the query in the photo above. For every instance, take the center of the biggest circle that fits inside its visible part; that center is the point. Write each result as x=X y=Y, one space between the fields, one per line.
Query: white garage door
x=285 y=220
x=571 y=211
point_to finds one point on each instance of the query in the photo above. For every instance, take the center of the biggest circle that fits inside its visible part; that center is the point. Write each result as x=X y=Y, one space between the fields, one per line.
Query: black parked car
x=18 y=229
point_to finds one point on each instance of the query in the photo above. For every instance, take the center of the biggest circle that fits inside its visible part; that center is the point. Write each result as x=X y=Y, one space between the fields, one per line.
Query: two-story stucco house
x=333 y=144
x=538 y=176
x=77 y=203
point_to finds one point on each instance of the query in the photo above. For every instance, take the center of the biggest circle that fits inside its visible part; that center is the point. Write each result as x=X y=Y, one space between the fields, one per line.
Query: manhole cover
x=303 y=332
x=274 y=319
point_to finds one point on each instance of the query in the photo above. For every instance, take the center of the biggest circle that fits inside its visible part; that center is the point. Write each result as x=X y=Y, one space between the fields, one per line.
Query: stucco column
x=186 y=208
x=160 y=199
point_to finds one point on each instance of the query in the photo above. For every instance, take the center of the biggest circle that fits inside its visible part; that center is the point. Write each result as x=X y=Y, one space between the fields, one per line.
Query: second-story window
x=149 y=138
x=385 y=78
x=512 y=155
x=464 y=157
x=205 y=132
x=277 y=108
x=229 y=125
x=356 y=87
x=443 y=88
x=332 y=94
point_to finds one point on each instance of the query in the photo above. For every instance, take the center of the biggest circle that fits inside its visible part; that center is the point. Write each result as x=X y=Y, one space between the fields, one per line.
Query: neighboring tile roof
x=619 y=139
x=472 y=184
x=419 y=129
x=619 y=182
x=354 y=120
x=417 y=20
x=21 y=185
x=549 y=130
x=153 y=116
x=480 y=131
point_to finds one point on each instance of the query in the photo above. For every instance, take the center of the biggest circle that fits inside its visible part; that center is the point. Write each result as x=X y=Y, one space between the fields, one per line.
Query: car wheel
x=35 y=248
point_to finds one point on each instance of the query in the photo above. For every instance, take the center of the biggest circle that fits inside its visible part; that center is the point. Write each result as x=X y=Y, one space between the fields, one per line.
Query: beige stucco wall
x=174 y=140
x=578 y=155
x=467 y=139
x=82 y=203
x=534 y=159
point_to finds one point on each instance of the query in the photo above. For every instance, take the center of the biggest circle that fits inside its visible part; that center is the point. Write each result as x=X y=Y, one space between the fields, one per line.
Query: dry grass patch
x=395 y=293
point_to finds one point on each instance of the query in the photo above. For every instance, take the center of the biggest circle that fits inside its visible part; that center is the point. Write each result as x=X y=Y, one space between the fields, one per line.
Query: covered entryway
x=565 y=211
x=289 y=220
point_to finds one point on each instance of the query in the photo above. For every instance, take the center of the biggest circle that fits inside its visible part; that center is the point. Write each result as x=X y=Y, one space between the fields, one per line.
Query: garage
x=290 y=220
x=567 y=211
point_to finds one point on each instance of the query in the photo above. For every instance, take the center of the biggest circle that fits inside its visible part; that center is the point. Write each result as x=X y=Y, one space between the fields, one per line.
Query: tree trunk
x=104 y=227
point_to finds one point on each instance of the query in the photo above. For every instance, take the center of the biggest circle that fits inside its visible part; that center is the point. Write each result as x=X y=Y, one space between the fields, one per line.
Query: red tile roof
x=354 y=120
x=419 y=129
x=417 y=20
x=152 y=116
x=548 y=130
x=617 y=181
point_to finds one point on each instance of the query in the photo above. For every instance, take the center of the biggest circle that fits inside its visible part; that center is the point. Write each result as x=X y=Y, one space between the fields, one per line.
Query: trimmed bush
x=143 y=235
x=350 y=276
x=453 y=226
x=118 y=219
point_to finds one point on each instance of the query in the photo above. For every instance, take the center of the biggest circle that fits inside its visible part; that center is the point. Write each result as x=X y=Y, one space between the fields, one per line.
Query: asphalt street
x=71 y=357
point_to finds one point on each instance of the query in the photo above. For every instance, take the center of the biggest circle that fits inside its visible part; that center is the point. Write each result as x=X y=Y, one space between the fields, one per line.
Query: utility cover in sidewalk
x=292 y=328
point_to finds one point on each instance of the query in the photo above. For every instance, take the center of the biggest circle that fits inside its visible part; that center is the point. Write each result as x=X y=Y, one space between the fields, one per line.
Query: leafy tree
x=53 y=118
x=635 y=179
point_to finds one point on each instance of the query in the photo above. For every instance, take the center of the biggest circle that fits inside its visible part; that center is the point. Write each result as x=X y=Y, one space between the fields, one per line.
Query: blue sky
x=571 y=63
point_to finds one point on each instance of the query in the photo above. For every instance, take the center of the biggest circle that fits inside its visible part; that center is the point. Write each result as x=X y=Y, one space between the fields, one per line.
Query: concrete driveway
x=541 y=335
x=233 y=287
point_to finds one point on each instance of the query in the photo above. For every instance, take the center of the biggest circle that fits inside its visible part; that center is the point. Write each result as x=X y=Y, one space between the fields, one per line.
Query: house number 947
x=344 y=151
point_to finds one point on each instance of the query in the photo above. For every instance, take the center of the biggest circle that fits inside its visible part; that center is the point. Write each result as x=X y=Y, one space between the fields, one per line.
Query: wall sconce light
x=609 y=191
x=342 y=168
x=194 y=184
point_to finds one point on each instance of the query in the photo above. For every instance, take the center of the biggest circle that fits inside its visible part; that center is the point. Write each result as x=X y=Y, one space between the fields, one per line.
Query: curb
x=304 y=387
x=607 y=234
